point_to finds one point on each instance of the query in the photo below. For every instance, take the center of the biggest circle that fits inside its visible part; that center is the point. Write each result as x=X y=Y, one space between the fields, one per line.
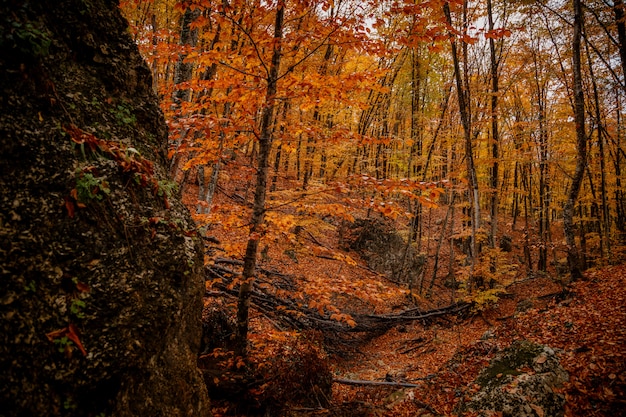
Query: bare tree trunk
x=544 y=186
x=495 y=137
x=620 y=21
x=182 y=73
x=439 y=244
x=605 y=244
x=466 y=122
x=574 y=257
x=207 y=188
x=258 y=210
x=527 y=198
x=279 y=150
x=620 y=219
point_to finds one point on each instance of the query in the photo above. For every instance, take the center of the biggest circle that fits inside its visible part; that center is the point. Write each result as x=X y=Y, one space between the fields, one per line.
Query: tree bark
x=495 y=137
x=574 y=257
x=620 y=21
x=182 y=73
x=258 y=210
x=469 y=152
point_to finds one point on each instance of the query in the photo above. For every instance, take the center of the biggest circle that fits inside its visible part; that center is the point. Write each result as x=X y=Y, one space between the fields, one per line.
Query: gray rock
x=520 y=382
x=384 y=250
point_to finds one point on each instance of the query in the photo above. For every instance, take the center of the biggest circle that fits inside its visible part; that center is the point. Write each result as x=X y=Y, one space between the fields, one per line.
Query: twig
x=317 y=242
x=377 y=383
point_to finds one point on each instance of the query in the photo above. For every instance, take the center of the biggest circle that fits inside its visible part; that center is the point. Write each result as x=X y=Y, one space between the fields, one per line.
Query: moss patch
x=518 y=356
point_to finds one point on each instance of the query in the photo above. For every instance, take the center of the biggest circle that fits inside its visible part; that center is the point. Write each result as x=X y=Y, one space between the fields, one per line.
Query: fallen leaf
x=72 y=334
x=538 y=410
x=69 y=206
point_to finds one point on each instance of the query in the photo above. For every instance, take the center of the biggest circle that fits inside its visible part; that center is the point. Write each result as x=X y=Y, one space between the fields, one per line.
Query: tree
x=260 y=191
x=574 y=257
x=495 y=136
x=465 y=111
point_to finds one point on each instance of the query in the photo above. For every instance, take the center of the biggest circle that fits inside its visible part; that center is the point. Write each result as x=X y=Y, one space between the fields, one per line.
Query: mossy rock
x=520 y=382
x=381 y=246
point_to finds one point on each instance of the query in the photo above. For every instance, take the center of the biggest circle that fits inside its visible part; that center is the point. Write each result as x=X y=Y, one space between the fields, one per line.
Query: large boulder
x=521 y=381
x=384 y=250
x=101 y=277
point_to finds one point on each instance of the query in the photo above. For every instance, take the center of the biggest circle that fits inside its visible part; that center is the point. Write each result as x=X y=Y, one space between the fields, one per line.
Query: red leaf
x=69 y=206
x=55 y=334
x=72 y=334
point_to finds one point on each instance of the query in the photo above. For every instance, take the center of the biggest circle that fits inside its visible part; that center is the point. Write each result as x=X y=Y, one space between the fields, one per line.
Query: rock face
x=101 y=277
x=520 y=382
x=384 y=250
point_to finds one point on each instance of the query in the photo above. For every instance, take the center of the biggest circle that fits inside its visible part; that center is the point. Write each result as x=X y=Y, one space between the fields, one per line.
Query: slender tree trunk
x=188 y=38
x=258 y=210
x=620 y=21
x=605 y=244
x=182 y=73
x=207 y=189
x=544 y=187
x=495 y=137
x=574 y=257
x=620 y=219
x=413 y=168
x=279 y=149
x=466 y=122
x=439 y=245
x=527 y=199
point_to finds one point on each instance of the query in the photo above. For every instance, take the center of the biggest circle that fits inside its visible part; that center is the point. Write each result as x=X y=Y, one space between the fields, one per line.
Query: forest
x=485 y=135
x=313 y=208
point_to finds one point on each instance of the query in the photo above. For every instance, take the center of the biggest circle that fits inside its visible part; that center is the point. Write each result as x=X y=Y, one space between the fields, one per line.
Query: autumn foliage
x=452 y=121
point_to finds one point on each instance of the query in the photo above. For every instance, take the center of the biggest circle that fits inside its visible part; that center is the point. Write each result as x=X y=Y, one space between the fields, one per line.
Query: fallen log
x=297 y=315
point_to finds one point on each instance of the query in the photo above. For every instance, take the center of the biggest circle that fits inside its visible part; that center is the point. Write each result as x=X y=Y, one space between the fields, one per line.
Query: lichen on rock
x=521 y=381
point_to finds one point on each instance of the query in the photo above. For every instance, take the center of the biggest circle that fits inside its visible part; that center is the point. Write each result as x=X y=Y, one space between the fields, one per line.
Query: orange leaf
x=69 y=206
x=55 y=334
x=72 y=334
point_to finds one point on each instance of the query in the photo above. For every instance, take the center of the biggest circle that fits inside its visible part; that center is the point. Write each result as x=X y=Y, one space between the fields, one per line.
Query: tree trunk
x=605 y=243
x=258 y=210
x=574 y=257
x=620 y=21
x=495 y=137
x=182 y=73
x=544 y=186
x=461 y=88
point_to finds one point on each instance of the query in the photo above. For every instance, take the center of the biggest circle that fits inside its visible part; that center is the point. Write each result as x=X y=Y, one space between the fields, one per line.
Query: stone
x=101 y=279
x=384 y=250
x=521 y=381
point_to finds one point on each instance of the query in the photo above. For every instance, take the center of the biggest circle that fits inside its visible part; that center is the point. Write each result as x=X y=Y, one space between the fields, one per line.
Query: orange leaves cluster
x=388 y=190
x=71 y=333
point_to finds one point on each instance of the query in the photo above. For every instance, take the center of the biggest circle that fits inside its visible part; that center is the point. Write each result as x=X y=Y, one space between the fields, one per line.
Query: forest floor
x=585 y=321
